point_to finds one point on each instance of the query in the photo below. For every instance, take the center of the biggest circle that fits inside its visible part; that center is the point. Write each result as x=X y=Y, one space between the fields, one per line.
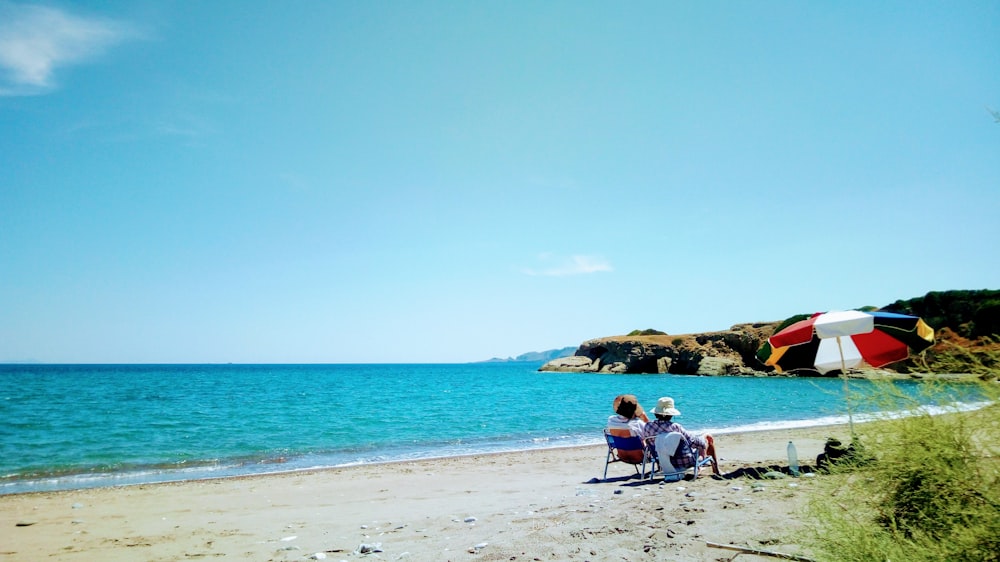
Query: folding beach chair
x=626 y=449
x=665 y=445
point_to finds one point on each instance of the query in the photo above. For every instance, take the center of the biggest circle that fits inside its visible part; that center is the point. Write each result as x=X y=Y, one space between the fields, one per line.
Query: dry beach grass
x=534 y=505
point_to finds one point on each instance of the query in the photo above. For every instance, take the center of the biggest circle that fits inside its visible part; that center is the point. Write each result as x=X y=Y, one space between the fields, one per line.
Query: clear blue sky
x=312 y=181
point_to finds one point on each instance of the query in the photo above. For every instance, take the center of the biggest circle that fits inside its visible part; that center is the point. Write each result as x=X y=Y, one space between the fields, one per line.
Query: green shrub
x=986 y=320
x=647 y=332
x=791 y=320
x=931 y=493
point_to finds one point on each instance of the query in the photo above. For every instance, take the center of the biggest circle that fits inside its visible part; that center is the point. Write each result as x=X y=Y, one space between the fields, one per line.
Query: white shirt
x=634 y=425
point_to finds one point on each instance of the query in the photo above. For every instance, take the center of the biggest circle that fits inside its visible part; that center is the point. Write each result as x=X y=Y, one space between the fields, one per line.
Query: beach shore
x=532 y=505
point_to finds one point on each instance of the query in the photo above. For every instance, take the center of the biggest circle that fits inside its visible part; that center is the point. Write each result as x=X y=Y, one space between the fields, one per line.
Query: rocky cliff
x=967 y=325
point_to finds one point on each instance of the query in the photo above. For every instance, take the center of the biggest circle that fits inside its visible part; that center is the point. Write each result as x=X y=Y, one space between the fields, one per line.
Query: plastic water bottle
x=793 y=459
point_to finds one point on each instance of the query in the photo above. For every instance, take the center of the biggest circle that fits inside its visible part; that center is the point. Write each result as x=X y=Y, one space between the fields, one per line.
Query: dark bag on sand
x=833 y=451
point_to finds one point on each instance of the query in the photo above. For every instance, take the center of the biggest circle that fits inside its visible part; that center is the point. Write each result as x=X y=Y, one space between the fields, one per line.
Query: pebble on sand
x=365 y=548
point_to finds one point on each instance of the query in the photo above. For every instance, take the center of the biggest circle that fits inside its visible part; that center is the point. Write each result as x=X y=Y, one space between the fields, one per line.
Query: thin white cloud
x=37 y=40
x=557 y=266
x=185 y=125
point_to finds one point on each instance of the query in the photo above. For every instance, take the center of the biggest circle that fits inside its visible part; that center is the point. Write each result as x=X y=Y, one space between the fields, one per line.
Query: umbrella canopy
x=845 y=339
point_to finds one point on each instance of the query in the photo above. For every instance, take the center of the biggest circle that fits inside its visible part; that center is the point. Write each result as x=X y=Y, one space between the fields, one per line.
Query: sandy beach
x=533 y=505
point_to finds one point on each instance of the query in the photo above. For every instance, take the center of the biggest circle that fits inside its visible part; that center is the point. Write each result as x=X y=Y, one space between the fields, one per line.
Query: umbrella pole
x=847 y=392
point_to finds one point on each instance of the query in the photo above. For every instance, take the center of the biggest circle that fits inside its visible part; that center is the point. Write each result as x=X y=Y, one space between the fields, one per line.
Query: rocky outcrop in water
x=729 y=352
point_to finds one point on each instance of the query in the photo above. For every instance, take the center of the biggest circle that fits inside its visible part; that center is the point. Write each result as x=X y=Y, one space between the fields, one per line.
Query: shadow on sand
x=769 y=472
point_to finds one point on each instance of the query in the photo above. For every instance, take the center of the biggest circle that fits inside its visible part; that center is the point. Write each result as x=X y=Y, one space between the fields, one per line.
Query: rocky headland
x=967 y=341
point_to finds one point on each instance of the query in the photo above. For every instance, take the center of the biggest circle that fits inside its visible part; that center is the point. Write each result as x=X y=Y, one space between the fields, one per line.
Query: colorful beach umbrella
x=844 y=339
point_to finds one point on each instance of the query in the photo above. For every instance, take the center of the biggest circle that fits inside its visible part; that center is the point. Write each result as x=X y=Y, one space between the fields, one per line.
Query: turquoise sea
x=78 y=426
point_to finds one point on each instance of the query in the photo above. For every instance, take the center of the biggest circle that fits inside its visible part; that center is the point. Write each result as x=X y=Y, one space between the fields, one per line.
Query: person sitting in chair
x=691 y=447
x=628 y=421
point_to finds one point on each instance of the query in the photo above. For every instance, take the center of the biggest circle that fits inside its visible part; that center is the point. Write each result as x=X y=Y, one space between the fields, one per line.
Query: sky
x=423 y=181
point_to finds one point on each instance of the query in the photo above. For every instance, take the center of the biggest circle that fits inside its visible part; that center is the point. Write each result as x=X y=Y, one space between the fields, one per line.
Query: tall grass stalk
x=928 y=489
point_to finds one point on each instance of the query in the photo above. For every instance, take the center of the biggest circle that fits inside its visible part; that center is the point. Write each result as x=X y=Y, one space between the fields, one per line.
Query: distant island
x=535 y=356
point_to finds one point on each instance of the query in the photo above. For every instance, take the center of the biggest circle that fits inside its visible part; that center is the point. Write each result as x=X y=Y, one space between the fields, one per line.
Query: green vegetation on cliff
x=970 y=314
x=647 y=332
x=967 y=331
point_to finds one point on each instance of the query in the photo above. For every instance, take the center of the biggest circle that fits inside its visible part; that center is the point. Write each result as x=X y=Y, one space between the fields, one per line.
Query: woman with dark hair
x=628 y=421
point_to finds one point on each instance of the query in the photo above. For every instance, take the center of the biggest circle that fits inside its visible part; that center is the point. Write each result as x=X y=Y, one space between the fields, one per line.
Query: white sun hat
x=665 y=407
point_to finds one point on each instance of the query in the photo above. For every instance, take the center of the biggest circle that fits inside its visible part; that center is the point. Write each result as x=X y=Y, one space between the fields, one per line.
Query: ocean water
x=78 y=426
